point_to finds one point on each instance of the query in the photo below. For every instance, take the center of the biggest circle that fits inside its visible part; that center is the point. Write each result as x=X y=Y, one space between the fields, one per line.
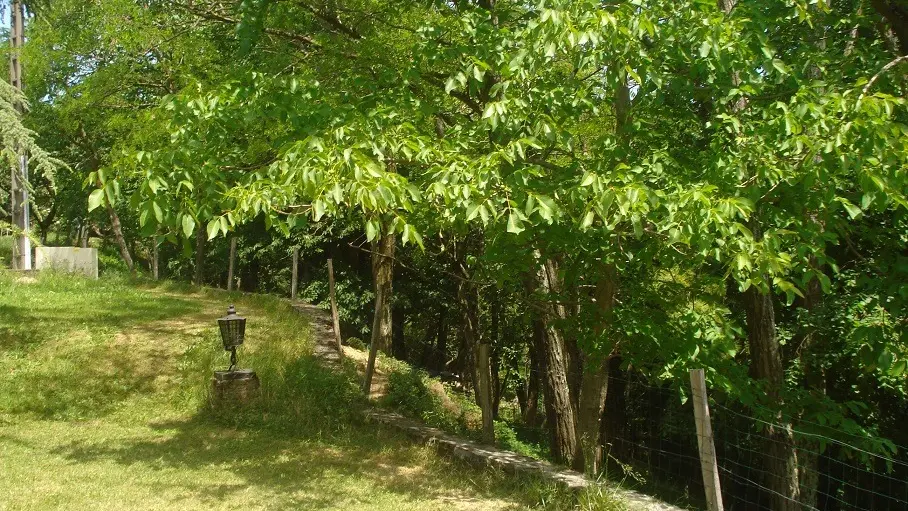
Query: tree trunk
x=485 y=393
x=231 y=262
x=45 y=223
x=496 y=382
x=592 y=402
x=496 y=354
x=398 y=341
x=594 y=385
x=199 y=256
x=427 y=356
x=441 y=340
x=83 y=234
x=780 y=460
x=382 y=276
x=595 y=368
x=896 y=14
x=115 y=225
x=117 y=228
x=155 y=259
x=475 y=350
x=531 y=409
x=613 y=420
x=808 y=449
x=563 y=422
x=465 y=363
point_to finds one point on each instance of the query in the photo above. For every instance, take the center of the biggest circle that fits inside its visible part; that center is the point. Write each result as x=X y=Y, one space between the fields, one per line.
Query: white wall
x=71 y=259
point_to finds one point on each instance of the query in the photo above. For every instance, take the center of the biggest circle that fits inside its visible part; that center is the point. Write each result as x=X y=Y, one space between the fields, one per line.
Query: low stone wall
x=71 y=259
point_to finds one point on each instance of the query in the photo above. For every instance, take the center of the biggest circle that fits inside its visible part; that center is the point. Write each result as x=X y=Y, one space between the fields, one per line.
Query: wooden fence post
x=334 y=317
x=708 y=464
x=294 y=273
x=230 y=263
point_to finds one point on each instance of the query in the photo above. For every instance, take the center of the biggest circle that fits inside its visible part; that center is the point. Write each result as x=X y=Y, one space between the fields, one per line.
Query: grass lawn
x=103 y=405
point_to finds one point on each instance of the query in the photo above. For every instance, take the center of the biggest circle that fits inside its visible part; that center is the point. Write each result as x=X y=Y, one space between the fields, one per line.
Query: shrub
x=357 y=343
x=408 y=392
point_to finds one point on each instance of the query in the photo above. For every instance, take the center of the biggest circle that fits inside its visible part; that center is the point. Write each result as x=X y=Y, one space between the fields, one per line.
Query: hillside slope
x=103 y=405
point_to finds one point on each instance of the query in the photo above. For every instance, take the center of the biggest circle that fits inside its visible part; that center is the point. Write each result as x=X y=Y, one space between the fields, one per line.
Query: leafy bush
x=506 y=438
x=414 y=394
x=6 y=250
x=409 y=393
x=357 y=343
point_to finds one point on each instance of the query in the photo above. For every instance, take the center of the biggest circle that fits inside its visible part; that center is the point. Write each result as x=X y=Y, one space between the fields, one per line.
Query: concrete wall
x=71 y=259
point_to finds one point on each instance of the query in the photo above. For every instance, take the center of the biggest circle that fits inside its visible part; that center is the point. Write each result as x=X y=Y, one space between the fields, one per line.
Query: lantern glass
x=233 y=329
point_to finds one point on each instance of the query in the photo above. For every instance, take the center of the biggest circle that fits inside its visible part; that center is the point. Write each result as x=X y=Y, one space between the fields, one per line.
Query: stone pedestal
x=230 y=388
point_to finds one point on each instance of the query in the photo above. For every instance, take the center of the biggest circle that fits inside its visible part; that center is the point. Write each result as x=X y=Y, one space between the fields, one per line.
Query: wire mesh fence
x=764 y=461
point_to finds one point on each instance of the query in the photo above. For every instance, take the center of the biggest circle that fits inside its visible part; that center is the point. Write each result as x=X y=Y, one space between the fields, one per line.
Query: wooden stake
x=230 y=263
x=708 y=464
x=294 y=273
x=334 y=317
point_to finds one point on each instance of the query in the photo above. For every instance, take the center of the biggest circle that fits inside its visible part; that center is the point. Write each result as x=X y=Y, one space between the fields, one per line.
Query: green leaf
x=780 y=66
x=318 y=210
x=898 y=368
x=472 y=211
x=705 y=48
x=638 y=226
x=853 y=211
x=158 y=213
x=515 y=224
x=588 y=219
x=95 y=199
x=188 y=225
x=371 y=229
x=213 y=226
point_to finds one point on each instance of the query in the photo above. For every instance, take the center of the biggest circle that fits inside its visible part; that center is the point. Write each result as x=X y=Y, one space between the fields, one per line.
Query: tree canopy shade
x=633 y=184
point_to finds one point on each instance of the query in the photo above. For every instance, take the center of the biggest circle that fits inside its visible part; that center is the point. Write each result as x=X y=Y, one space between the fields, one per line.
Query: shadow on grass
x=311 y=473
x=305 y=442
x=63 y=348
x=83 y=388
x=27 y=326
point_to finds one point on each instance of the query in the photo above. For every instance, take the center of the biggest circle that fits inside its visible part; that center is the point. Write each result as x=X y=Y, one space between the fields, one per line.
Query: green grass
x=104 y=405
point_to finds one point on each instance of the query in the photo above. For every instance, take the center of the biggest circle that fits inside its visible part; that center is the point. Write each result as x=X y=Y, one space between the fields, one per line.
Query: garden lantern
x=233 y=330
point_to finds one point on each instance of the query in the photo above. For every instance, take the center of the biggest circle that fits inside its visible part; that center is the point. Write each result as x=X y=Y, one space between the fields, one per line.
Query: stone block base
x=230 y=388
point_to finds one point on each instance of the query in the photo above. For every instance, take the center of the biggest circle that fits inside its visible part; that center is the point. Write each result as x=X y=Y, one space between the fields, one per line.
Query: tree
x=632 y=180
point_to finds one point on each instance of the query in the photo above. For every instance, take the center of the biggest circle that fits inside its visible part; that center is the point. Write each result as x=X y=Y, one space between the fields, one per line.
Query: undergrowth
x=413 y=393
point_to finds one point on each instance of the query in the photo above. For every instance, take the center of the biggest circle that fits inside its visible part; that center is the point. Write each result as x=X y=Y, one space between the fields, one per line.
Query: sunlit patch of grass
x=104 y=405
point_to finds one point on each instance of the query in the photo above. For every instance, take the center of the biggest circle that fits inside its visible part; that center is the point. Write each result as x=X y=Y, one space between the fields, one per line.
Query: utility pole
x=22 y=258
